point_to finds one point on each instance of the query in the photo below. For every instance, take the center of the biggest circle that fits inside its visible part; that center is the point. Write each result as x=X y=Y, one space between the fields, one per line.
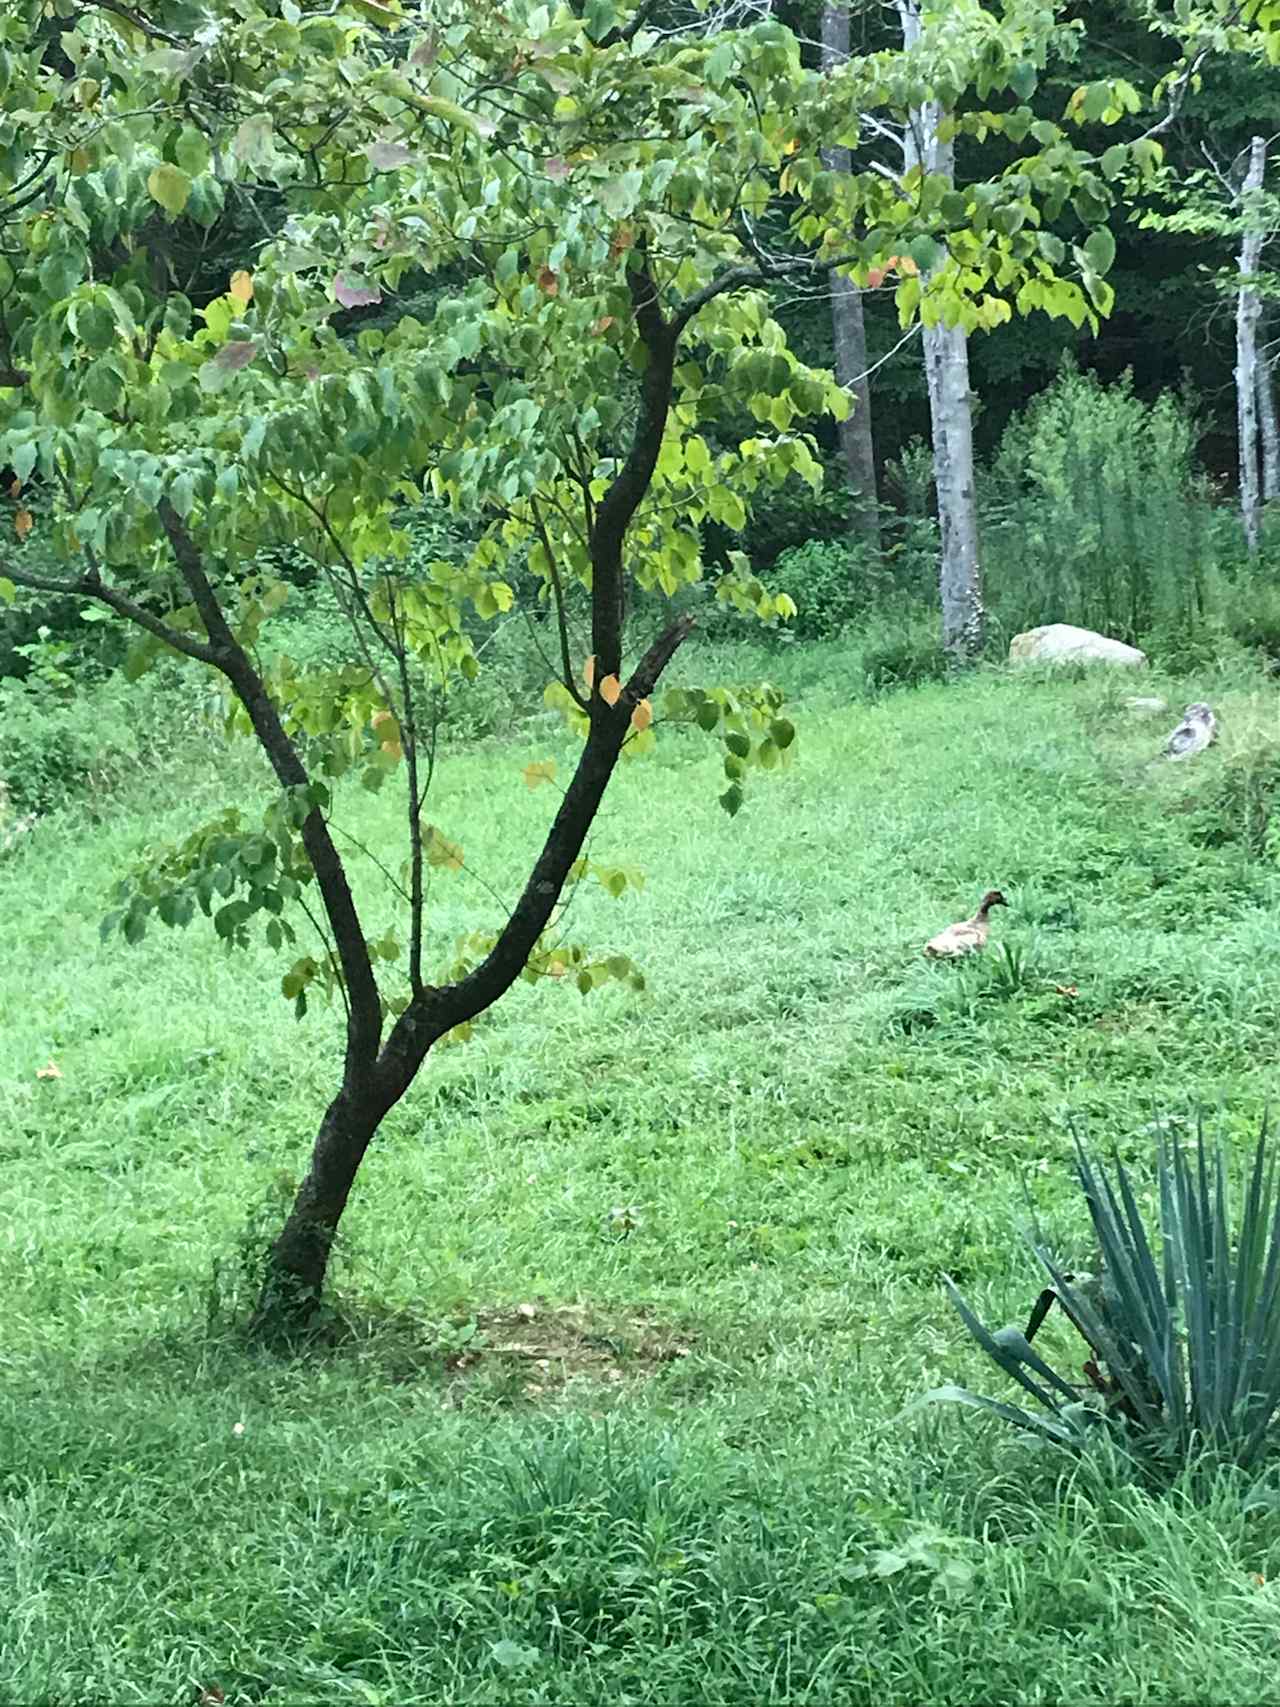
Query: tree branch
x=90 y=586
x=623 y=499
x=139 y=22
x=364 y=1025
x=553 y=569
x=436 y=1011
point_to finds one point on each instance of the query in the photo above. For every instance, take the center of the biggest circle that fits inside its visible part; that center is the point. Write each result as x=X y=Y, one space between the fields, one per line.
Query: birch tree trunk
x=946 y=359
x=1248 y=378
x=857 y=445
x=1270 y=426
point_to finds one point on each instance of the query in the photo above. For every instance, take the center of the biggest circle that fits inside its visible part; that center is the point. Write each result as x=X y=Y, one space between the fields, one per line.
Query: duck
x=969 y=935
x=1198 y=730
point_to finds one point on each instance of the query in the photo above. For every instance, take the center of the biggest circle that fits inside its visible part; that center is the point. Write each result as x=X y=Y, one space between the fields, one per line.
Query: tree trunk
x=950 y=401
x=298 y=1260
x=1270 y=427
x=946 y=361
x=1248 y=379
x=857 y=445
x=296 y=1264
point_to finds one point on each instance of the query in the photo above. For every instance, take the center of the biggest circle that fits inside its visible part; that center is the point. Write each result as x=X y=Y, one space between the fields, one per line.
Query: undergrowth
x=633 y=1291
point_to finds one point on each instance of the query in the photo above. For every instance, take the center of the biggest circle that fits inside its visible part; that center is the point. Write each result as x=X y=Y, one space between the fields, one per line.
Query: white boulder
x=1059 y=642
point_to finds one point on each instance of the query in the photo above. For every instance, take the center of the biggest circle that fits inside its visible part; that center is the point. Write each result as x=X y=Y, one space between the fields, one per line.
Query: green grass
x=668 y=1483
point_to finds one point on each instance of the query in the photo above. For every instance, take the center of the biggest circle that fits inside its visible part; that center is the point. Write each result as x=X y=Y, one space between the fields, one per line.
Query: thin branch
x=365 y=1022
x=409 y=738
x=562 y=621
x=139 y=22
x=91 y=586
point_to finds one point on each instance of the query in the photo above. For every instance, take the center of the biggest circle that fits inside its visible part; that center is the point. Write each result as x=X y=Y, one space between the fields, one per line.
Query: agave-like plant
x=1184 y=1347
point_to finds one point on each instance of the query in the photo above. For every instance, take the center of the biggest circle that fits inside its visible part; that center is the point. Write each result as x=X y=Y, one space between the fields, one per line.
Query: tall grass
x=1094 y=512
x=556 y=1453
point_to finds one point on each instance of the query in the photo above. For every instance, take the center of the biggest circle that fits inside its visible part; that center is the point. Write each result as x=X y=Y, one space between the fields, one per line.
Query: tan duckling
x=969 y=935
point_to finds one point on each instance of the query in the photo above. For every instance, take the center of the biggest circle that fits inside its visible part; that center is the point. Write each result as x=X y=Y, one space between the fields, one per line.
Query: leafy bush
x=55 y=748
x=902 y=648
x=832 y=582
x=1094 y=513
x=1183 y=1339
x=1239 y=805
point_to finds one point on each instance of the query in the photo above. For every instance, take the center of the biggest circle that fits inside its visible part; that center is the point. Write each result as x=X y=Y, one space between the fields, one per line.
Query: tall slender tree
x=1249 y=378
x=849 y=335
x=946 y=358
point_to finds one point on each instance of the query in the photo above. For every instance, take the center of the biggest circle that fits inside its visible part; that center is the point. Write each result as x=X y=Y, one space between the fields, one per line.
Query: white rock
x=1059 y=642
x=1148 y=707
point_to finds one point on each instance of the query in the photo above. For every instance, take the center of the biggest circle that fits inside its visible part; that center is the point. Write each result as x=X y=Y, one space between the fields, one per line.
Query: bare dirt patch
x=538 y=1348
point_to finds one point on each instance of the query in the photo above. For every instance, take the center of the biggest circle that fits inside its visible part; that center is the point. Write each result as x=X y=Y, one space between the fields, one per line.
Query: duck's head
x=1198 y=713
x=992 y=898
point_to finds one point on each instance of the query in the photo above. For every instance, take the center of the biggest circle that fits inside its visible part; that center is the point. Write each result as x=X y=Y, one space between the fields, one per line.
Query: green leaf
x=600 y=16
x=23 y=460
x=1022 y=80
x=927 y=253
x=171 y=187
x=732 y=799
x=511 y=1655
x=192 y=151
x=1100 y=247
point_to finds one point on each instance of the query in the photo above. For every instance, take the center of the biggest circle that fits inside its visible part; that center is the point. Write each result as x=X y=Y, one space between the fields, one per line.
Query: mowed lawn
x=635 y=1288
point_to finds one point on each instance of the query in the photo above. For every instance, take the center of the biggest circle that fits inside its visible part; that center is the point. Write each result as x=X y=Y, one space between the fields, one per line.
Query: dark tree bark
x=857 y=446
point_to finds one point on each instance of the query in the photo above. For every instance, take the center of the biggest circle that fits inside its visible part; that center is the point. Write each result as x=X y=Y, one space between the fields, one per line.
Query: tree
x=849 y=335
x=1251 y=375
x=591 y=190
x=946 y=361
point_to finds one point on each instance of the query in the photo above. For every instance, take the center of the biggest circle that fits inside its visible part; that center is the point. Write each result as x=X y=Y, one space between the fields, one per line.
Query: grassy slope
x=811 y=1124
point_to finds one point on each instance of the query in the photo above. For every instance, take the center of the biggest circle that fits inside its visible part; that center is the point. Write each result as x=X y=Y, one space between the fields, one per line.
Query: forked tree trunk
x=946 y=360
x=298 y=1260
x=1248 y=313
x=857 y=445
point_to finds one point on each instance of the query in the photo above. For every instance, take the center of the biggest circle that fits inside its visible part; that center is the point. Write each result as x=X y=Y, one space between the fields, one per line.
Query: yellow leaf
x=440 y=850
x=642 y=716
x=51 y=1070
x=393 y=749
x=544 y=771
x=589 y=672
x=610 y=690
x=22 y=523
x=242 y=286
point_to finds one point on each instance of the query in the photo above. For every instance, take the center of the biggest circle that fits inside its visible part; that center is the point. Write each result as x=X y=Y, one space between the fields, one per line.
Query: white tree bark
x=1248 y=379
x=1267 y=363
x=857 y=445
x=946 y=358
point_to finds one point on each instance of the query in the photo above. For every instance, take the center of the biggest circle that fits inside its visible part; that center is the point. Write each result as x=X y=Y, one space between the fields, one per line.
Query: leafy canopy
x=563 y=192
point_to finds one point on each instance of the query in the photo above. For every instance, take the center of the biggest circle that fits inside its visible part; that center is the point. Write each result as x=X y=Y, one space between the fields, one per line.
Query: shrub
x=54 y=749
x=1094 y=513
x=832 y=582
x=1182 y=1331
x=902 y=648
x=1239 y=805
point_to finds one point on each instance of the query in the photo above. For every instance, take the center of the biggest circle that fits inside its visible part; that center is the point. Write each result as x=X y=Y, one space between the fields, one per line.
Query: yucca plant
x=1184 y=1345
